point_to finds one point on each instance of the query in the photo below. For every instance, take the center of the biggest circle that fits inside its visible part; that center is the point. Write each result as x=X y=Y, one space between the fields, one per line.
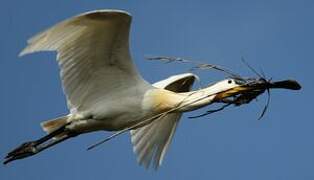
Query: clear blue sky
x=274 y=35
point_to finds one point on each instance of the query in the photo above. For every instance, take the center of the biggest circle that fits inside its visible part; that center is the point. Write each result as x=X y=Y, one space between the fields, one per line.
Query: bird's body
x=113 y=114
x=104 y=90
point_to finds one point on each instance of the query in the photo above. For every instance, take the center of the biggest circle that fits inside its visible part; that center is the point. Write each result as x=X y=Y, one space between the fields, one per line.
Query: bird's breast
x=159 y=100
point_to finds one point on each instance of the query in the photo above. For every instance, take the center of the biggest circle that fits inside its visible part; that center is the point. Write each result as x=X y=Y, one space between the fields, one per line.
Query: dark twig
x=198 y=64
x=211 y=111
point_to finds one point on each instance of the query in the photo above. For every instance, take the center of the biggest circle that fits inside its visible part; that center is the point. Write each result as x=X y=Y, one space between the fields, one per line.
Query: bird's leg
x=33 y=147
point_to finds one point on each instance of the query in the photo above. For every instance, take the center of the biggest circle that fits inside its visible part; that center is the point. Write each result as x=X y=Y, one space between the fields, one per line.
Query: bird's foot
x=23 y=151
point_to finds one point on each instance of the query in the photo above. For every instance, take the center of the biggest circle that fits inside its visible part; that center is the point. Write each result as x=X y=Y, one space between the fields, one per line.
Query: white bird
x=104 y=90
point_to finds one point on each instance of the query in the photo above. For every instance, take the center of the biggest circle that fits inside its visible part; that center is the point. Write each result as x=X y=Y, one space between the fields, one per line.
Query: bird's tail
x=51 y=125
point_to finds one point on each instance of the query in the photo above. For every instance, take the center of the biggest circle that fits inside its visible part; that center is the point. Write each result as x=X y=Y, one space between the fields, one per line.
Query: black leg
x=33 y=147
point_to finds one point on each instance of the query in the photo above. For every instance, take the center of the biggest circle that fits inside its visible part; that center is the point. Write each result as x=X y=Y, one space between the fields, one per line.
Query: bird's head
x=236 y=86
x=229 y=87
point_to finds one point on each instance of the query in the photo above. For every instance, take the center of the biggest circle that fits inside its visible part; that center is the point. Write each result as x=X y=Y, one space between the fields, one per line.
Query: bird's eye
x=229 y=81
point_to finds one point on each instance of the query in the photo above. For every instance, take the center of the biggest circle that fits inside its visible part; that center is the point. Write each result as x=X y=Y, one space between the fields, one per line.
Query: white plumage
x=105 y=92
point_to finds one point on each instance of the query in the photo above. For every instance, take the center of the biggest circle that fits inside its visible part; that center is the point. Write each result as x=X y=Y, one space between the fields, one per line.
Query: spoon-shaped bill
x=286 y=84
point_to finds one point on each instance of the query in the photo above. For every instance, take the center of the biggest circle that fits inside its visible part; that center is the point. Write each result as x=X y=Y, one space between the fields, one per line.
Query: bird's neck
x=164 y=100
x=196 y=99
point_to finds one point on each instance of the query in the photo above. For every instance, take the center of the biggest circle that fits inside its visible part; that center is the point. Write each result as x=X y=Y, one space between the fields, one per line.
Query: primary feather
x=93 y=55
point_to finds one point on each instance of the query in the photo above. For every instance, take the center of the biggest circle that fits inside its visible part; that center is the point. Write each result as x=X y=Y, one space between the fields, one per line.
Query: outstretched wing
x=151 y=142
x=93 y=55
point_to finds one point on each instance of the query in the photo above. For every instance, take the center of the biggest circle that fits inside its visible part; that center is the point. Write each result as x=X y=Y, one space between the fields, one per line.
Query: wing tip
x=149 y=145
x=98 y=14
x=94 y=14
x=23 y=52
x=29 y=50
